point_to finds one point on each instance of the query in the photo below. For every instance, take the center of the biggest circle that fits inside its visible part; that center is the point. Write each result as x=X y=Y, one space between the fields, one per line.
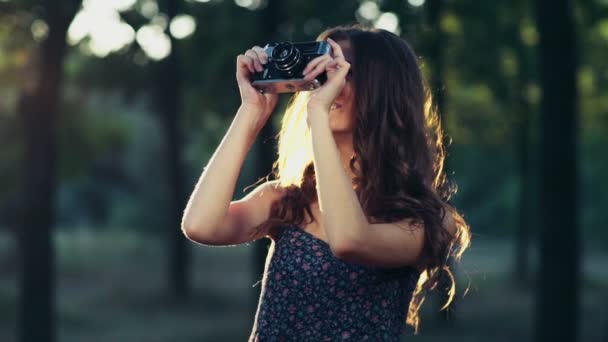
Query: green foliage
x=86 y=133
x=112 y=162
x=476 y=169
x=594 y=187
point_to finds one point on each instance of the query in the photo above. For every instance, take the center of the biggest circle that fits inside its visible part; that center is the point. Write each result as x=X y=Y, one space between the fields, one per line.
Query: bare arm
x=213 y=192
x=210 y=217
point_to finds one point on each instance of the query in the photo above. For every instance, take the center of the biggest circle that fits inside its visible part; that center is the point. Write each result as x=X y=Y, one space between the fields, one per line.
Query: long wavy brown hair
x=399 y=151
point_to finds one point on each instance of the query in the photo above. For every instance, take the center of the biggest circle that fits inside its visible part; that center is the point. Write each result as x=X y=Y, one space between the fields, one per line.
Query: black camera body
x=283 y=72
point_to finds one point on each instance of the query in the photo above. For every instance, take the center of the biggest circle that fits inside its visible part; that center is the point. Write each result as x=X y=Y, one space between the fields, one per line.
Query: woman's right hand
x=246 y=65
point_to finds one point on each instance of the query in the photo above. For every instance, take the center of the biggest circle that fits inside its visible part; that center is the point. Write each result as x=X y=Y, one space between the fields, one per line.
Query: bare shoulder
x=273 y=186
x=274 y=192
x=268 y=190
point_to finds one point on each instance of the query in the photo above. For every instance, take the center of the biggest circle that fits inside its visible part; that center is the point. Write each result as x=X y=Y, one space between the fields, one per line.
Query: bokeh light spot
x=40 y=30
x=369 y=10
x=416 y=3
x=153 y=40
x=182 y=26
x=388 y=21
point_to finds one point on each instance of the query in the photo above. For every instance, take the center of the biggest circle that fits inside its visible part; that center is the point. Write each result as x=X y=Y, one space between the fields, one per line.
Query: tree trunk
x=169 y=88
x=557 y=301
x=521 y=269
x=39 y=114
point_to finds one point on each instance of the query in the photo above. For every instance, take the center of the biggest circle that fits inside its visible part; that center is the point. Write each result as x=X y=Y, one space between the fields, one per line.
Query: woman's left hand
x=336 y=69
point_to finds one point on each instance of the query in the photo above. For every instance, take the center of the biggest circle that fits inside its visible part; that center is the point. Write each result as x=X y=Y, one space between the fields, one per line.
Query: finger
x=340 y=63
x=272 y=98
x=314 y=62
x=256 y=60
x=331 y=66
x=247 y=62
x=243 y=81
x=319 y=68
x=344 y=66
x=340 y=69
x=337 y=70
x=263 y=56
x=336 y=49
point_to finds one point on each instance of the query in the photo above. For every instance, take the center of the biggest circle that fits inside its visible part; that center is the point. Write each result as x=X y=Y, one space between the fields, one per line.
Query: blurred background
x=110 y=109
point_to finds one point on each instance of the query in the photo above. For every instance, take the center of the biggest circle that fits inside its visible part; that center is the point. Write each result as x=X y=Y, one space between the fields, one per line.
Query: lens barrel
x=286 y=57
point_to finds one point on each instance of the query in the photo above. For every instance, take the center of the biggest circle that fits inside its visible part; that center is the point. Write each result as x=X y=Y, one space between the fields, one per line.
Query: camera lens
x=286 y=57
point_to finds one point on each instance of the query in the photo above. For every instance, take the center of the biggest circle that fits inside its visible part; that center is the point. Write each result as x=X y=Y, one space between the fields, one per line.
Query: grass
x=111 y=287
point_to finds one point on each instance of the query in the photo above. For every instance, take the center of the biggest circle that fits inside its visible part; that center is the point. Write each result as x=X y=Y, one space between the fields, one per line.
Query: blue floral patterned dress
x=310 y=295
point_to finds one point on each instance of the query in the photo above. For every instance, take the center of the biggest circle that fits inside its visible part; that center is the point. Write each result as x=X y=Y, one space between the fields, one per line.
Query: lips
x=335 y=105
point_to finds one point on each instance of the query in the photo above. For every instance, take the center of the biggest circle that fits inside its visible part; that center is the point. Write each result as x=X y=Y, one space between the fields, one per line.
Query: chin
x=340 y=128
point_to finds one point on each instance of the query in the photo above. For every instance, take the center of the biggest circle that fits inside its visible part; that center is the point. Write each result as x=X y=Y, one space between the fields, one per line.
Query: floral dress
x=310 y=295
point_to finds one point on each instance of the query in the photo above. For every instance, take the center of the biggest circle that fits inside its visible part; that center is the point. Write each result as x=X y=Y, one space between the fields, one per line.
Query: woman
x=358 y=214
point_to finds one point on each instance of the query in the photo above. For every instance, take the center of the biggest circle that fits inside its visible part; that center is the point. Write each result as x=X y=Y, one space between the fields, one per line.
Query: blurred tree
x=557 y=301
x=593 y=97
x=158 y=81
x=168 y=99
x=38 y=108
x=521 y=132
x=10 y=144
x=434 y=53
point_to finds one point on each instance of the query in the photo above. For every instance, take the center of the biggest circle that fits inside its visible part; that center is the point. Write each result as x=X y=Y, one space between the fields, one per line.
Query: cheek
x=347 y=96
x=345 y=117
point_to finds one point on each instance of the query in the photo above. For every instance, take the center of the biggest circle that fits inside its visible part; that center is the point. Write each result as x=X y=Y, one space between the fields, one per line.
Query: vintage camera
x=283 y=72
